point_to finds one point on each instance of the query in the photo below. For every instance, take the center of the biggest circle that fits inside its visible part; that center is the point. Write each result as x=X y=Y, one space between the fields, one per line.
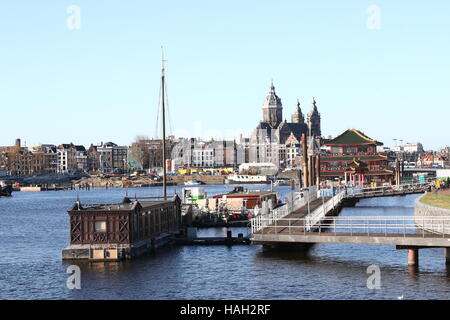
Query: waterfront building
x=122 y=230
x=409 y=152
x=66 y=159
x=44 y=159
x=81 y=158
x=17 y=160
x=278 y=141
x=93 y=159
x=430 y=160
x=146 y=154
x=352 y=157
x=110 y=157
x=196 y=153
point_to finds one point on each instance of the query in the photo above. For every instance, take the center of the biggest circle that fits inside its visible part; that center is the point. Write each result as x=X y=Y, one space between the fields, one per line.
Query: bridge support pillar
x=413 y=257
x=447 y=256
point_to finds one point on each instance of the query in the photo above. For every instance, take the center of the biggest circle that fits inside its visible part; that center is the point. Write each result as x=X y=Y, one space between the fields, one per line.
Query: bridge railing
x=377 y=190
x=262 y=221
x=406 y=226
x=319 y=213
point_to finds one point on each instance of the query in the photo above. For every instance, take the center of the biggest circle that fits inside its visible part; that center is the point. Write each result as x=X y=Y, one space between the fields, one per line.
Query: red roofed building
x=352 y=157
x=431 y=160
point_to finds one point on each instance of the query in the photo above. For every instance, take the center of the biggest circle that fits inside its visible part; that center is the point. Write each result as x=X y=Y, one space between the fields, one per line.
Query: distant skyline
x=378 y=66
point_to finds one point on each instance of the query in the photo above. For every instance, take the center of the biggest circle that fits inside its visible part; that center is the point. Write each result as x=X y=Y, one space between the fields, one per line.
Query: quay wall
x=422 y=211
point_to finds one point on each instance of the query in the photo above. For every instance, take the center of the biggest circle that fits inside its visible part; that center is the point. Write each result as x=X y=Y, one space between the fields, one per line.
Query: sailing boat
x=163 y=106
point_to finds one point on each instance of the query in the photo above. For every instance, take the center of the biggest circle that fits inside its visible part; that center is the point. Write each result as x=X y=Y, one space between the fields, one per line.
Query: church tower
x=314 y=120
x=297 y=116
x=272 y=109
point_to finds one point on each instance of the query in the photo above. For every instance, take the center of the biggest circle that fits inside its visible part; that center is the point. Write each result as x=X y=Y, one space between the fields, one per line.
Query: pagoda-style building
x=352 y=157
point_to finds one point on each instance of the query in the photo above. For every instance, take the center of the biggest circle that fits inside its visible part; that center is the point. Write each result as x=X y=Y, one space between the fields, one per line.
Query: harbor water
x=34 y=227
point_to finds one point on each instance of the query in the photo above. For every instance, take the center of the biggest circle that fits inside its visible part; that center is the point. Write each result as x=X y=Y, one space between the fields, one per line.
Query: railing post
x=289 y=221
x=423 y=228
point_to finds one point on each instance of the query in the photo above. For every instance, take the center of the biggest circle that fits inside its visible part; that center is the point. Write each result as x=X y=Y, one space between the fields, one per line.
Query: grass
x=441 y=201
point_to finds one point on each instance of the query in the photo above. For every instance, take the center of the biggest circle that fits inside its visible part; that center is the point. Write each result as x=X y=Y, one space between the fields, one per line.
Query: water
x=34 y=229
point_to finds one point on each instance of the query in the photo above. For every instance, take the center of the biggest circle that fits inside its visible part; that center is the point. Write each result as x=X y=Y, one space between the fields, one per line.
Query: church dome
x=272 y=100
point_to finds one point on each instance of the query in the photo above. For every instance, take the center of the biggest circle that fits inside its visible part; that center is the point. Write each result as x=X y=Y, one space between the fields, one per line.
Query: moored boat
x=193 y=182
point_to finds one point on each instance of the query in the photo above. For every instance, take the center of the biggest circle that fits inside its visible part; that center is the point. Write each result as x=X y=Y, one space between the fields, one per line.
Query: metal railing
x=320 y=213
x=406 y=226
x=382 y=189
x=263 y=221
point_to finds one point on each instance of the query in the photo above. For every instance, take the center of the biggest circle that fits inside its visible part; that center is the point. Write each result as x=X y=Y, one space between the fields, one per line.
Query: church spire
x=297 y=116
x=314 y=120
x=272 y=108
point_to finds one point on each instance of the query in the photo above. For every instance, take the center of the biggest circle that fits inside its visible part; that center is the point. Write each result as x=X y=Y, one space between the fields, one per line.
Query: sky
x=86 y=71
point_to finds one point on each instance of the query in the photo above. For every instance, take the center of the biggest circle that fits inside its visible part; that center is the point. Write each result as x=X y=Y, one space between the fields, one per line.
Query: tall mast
x=163 y=97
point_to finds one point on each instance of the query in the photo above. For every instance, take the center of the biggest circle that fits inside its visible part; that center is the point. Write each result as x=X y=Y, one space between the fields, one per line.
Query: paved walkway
x=297 y=214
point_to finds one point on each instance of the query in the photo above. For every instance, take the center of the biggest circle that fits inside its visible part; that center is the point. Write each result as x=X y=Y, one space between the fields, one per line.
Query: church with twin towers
x=276 y=140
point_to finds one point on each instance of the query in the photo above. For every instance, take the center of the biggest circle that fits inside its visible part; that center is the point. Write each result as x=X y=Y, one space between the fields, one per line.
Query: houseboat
x=123 y=230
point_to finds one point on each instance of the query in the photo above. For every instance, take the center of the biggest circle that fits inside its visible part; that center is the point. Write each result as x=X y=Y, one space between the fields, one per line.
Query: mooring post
x=447 y=256
x=413 y=257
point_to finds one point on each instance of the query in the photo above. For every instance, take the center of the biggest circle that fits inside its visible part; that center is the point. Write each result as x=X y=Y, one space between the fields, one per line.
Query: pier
x=317 y=222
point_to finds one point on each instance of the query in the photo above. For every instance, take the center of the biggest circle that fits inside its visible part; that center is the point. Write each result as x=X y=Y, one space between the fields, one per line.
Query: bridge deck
x=419 y=240
x=297 y=214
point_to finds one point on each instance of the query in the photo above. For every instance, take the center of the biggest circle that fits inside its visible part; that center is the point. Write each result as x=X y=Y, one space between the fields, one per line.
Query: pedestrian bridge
x=321 y=225
x=399 y=231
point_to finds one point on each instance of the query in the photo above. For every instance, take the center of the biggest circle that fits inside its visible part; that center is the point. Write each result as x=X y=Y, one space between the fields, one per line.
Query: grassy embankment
x=437 y=200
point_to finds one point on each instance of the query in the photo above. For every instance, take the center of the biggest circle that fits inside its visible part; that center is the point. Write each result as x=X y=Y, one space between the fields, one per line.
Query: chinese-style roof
x=371 y=172
x=356 y=166
x=370 y=157
x=352 y=137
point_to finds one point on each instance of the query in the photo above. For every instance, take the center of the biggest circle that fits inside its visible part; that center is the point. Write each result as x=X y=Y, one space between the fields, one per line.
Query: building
x=352 y=157
x=194 y=153
x=278 y=141
x=23 y=161
x=108 y=157
x=93 y=159
x=431 y=160
x=45 y=158
x=66 y=159
x=146 y=154
x=409 y=152
x=81 y=158
x=121 y=231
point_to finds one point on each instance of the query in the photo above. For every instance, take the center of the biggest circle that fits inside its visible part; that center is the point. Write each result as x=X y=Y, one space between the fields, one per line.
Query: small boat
x=193 y=182
x=6 y=191
x=281 y=182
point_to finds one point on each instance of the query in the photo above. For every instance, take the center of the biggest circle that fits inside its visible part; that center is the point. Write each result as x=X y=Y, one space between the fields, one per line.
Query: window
x=100 y=226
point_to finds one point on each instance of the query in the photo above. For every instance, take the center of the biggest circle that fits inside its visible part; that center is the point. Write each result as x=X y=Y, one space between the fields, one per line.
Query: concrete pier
x=447 y=256
x=413 y=257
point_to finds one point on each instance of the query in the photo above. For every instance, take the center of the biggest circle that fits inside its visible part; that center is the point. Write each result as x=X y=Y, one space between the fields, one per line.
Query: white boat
x=281 y=182
x=246 y=178
x=193 y=183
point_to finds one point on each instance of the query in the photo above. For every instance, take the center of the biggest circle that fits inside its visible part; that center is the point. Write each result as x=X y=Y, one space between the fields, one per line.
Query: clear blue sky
x=101 y=82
